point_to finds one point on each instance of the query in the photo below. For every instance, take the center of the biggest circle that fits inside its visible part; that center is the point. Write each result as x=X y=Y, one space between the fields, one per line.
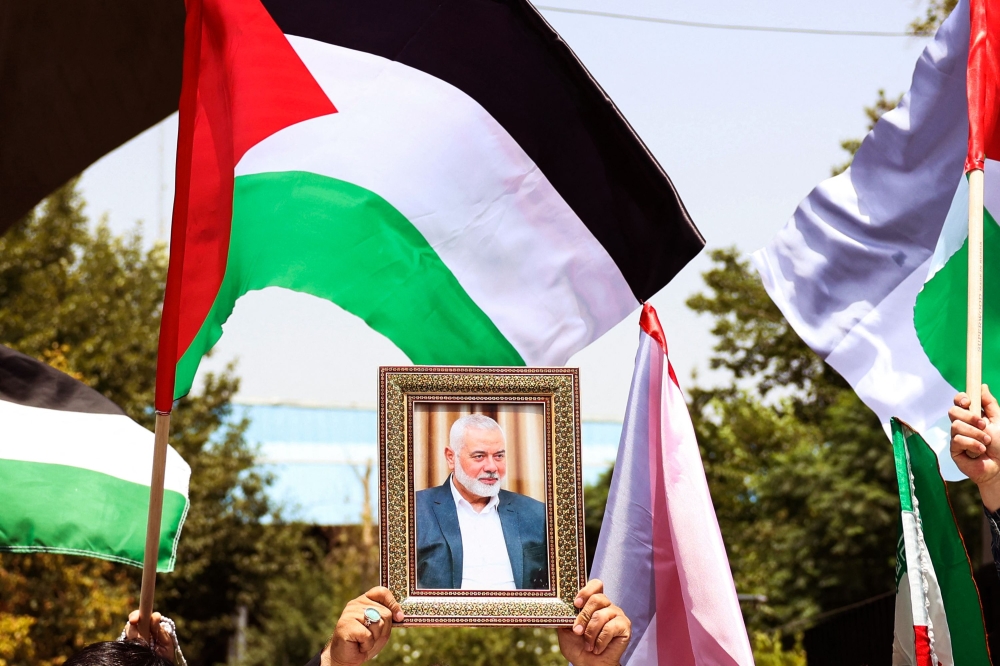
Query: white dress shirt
x=485 y=564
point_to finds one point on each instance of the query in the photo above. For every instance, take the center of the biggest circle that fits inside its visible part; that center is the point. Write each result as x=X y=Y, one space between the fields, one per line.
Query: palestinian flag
x=75 y=470
x=872 y=269
x=446 y=170
x=939 y=619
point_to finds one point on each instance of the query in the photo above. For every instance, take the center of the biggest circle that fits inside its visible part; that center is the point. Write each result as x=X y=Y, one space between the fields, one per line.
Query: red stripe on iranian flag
x=242 y=83
x=923 y=646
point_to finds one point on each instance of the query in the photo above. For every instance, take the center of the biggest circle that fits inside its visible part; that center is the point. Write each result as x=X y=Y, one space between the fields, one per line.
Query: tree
x=89 y=303
x=53 y=605
x=804 y=482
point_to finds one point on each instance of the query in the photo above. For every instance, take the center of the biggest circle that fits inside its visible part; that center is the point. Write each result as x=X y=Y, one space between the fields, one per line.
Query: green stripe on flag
x=940 y=312
x=70 y=510
x=948 y=555
x=343 y=243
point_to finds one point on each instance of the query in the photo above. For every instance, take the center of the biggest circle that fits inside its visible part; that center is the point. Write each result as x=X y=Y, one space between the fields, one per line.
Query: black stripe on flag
x=25 y=381
x=503 y=54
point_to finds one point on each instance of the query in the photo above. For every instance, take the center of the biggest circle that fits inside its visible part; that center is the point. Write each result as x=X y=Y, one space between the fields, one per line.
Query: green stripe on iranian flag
x=938 y=614
x=78 y=483
x=525 y=282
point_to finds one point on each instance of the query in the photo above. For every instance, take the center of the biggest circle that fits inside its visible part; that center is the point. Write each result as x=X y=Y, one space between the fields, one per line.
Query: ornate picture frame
x=536 y=415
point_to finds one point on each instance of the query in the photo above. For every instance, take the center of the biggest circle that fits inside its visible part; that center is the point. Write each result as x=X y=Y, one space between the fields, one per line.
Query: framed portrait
x=481 y=500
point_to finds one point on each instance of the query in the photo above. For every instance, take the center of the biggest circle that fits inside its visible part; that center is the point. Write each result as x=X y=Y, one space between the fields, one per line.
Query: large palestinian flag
x=75 y=470
x=939 y=619
x=447 y=170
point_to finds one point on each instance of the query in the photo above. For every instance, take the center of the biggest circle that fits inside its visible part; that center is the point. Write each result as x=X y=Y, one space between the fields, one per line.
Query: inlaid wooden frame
x=406 y=390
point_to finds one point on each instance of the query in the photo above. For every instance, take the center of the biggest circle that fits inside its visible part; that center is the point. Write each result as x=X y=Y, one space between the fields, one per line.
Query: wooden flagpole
x=974 y=335
x=151 y=554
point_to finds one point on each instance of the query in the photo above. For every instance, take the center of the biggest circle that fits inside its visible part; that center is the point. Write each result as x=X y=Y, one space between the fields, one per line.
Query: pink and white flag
x=660 y=553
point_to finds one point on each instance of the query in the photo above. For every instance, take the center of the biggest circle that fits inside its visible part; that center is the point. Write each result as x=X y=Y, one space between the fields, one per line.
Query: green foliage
x=768 y=650
x=302 y=610
x=803 y=481
x=53 y=605
x=91 y=295
x=595 y=497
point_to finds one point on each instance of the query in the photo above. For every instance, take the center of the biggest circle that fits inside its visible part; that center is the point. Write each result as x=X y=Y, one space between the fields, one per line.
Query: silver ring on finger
x=371 y=615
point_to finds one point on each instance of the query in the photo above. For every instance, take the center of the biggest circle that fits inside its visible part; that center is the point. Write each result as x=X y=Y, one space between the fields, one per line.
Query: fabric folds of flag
x=872 y=269
x=939 y=619
x=75 y=470
x=660 y=552
x=447 y=171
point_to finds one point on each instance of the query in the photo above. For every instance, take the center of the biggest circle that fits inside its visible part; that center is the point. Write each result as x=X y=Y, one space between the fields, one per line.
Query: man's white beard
x=474 y=485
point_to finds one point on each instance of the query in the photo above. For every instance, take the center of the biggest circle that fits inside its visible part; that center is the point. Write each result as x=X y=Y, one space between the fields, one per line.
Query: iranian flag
x=872 y=269
x=939 y=619
x=75 y=470
x=447 y=170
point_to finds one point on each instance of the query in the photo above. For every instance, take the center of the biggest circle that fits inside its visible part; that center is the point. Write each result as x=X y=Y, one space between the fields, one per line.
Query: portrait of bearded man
x=472 y=534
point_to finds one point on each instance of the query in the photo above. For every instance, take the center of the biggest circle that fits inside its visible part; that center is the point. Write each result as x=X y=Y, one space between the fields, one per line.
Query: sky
x=745 y=123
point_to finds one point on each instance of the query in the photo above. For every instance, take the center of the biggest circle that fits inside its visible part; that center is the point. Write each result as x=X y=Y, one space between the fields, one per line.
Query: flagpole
x=151 y=555
x=974 y=332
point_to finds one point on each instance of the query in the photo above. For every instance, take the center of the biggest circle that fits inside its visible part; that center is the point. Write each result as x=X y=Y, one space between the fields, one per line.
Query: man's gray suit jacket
x=439 y=539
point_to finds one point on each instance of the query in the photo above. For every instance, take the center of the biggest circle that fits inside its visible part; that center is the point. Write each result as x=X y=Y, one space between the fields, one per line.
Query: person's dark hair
x=115 y=653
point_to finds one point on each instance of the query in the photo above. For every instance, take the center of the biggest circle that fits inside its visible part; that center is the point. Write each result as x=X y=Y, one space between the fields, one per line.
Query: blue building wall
x=316 y=454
